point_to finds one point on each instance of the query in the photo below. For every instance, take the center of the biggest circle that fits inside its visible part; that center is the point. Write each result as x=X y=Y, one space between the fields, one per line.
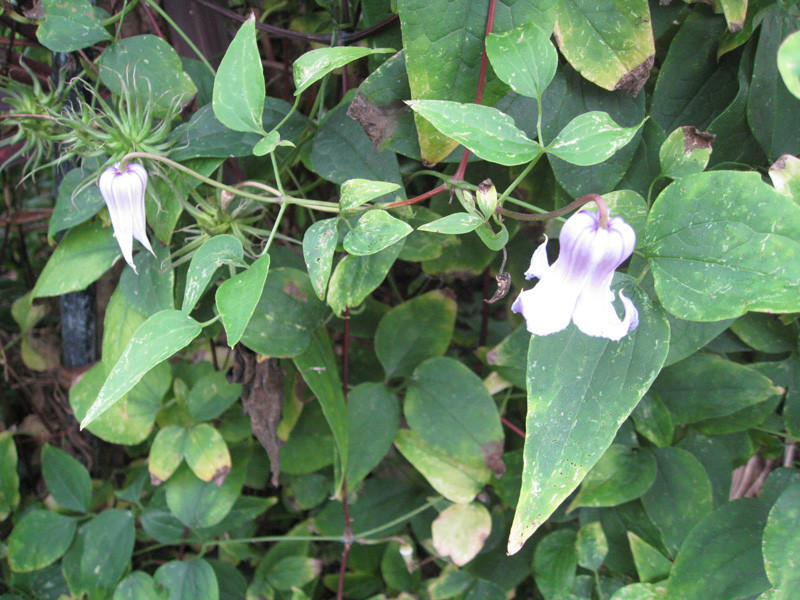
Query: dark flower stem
x=575 y=204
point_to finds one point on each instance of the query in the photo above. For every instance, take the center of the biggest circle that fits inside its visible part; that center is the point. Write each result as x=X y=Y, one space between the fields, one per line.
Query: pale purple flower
x=577 y=287
x=123 y=191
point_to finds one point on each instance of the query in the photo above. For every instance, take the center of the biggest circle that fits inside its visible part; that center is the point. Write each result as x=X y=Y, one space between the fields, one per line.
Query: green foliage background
x=304 y=393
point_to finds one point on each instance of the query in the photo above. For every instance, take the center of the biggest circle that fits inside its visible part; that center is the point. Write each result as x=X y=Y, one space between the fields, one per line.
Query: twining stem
x=348 y=531
x=312 y=204
x=283 y=207
x=462 y=166
x=601 y=205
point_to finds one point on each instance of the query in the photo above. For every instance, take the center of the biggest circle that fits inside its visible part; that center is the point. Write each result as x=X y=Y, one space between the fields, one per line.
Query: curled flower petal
x=577 y=287
x=123 y=192
x=539 y=263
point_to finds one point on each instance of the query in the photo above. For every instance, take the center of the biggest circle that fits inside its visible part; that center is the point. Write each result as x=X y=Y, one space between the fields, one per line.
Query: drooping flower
x=577 y=287
x=123 y=192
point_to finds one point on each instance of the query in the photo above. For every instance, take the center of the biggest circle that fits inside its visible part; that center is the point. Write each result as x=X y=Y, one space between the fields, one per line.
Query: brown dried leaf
x=262 y=397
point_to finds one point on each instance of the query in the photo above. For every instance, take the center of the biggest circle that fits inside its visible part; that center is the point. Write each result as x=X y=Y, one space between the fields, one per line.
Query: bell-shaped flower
x=577 y=287
x=123 y=192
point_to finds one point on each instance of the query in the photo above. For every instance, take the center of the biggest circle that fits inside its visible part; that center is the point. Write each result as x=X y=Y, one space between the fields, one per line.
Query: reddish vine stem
x=484 y=331
x=415 y=199
x=512 y=427
x=348 y=531
x=152 y=19
x=462 y=166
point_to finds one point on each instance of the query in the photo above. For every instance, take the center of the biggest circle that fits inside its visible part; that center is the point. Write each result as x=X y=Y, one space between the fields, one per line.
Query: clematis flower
x=577 y=287
x=123 y=192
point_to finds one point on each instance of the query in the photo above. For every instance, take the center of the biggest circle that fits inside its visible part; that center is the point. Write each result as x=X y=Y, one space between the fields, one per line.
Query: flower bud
x=487 y=198
x=123 y=192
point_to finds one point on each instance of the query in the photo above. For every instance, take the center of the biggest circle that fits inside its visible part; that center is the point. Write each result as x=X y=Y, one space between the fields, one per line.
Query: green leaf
x=286 y=315
x=355 y=277
x=733 y=252
x=609 y=43
x=199 y=504
x=414 y=331
x=149 y=69
x=487 y=132
x=641 y=591
x=370 y=407
x=310 y=445
x=139 y=586
x=460 y=530
x=70 y=25
x=455 y=38
x=267 y=144
x=569 y=376
x=356 y=192
x=450 y=584
x=191 y=579
x=238 y=297
x=680 y=496
x=555 y=563
x=342 y=151
x=83 y=255
x=166 y=453
x=375 y=231
x=161 y=336
x=621 y=475
x=789 y=63
x=9 y=478
x=319 y=245
x=590 y=139
x=293 y=571
x=239 y=88
x=130 y=420
x=457 y=479
x=780 y=542
x=101 y=554
x=721 y=557
x=685 y=152
x=653 y=419
x=40 y=538
x=524 y=58
x=735 y=13
x=785 y=176
x=73 y=208
x=705 y=387
x=567 y=97
x=592 y=546
x=205 y=136
x=66 y=479
x=693 y=87
x=211 y=396
x=215 y=252
x=449 y=408
x=651 y=565
x=313 y=66
x=457 y=223
x=207 y=454
x=151 y=290
x=773 y=112
x=320 y=370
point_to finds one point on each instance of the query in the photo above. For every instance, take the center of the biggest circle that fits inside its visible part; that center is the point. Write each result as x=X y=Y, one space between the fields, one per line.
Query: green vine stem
x=312 y=204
